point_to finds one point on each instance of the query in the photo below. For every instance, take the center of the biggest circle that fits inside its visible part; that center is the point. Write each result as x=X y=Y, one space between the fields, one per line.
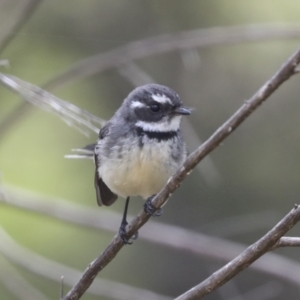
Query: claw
x=150 y=209
x=122 y=234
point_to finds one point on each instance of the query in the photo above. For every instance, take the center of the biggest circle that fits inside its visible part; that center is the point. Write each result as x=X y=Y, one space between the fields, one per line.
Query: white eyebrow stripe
x=135 y=104
x=161 y=98
x=173 y=125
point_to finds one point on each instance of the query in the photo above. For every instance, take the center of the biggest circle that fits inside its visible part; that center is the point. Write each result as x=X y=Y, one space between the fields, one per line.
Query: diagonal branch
x=283 y=74
x=246 y=258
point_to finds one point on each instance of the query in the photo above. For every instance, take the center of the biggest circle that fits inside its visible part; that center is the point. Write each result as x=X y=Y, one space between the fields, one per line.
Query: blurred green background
x=252 y=180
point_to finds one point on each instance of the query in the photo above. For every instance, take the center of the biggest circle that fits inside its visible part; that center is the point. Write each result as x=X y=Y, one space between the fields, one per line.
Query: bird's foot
x=123 y=234
x=150 y=209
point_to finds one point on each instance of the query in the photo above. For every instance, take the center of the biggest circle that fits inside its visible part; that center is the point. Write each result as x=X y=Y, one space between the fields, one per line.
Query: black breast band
x=158 y=135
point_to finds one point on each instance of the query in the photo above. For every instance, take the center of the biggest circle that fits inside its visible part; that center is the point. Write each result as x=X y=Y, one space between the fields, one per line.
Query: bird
x=139 y=149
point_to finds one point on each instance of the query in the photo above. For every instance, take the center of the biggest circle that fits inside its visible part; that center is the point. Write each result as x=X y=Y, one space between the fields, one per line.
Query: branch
x=173 y=42
x=287 y=241
x=283 y=74
x=174 y=237
x=246 y=258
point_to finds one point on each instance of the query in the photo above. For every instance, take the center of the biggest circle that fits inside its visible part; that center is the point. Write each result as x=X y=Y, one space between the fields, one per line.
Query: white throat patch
x=163 y=126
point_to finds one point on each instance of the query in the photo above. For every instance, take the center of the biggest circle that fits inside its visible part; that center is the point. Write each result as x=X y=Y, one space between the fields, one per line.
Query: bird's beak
x=182 y=111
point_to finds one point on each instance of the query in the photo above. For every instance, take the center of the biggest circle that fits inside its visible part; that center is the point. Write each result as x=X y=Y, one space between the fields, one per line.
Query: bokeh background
x=245 y=186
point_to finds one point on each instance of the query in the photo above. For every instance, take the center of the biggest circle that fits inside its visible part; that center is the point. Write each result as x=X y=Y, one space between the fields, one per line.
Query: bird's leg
x=150 y=209
x=122 y=230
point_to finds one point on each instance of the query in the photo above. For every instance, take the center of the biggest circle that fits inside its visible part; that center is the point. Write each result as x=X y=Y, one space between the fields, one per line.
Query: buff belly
x=140 y=172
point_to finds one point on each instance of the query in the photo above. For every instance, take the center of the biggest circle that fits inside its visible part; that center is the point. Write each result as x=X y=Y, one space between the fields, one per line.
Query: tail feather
x=82 y=153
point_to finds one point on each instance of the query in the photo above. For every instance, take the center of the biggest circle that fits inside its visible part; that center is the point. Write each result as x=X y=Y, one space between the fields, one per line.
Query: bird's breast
x=132 y=170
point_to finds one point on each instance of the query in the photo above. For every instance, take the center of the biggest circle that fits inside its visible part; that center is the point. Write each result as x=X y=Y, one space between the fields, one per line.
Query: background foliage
x=254 y=177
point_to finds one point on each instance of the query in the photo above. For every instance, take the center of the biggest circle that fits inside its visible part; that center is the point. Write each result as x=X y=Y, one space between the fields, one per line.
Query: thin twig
x=287 y=241
x=246 y=258
x=283 y=74
x=173 y=42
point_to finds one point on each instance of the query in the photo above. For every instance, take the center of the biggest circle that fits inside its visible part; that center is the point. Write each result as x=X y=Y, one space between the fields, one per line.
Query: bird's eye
x=155 y=107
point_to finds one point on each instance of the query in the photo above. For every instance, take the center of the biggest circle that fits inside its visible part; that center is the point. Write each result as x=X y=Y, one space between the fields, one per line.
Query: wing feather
x=104 y=195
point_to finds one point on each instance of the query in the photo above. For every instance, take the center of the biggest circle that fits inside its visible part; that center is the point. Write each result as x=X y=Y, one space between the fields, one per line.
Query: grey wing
x=104 y=195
